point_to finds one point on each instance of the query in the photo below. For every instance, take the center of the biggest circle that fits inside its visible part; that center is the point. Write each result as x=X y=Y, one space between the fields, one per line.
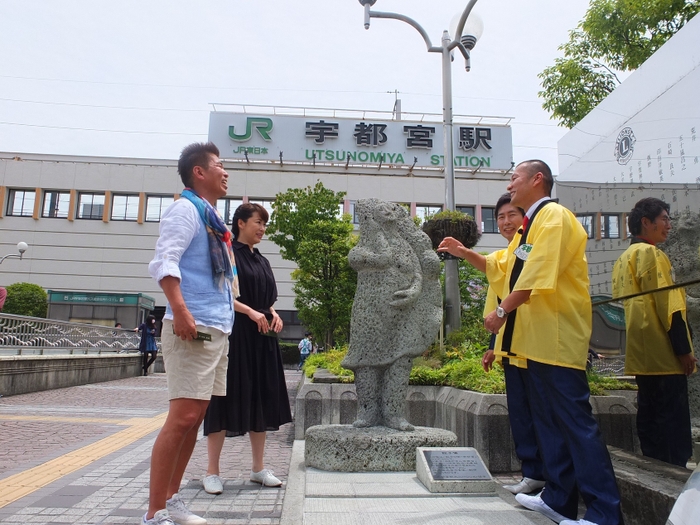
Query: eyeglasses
x=666 y=219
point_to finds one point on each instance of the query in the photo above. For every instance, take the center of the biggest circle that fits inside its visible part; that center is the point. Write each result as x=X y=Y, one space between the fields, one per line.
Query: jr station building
x=91 y=223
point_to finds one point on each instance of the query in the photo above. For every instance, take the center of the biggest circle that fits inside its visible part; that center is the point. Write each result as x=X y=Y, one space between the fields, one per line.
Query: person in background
x=659 y=348
x=194 y=266
x=147 y=346
x=305 y=348
x=256 y=399
x=509 y=220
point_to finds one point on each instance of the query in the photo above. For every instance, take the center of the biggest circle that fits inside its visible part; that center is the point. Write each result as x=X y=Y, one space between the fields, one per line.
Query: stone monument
x=396 y=315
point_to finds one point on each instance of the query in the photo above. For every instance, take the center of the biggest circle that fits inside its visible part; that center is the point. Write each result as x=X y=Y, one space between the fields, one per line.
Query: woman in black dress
x=256 y=398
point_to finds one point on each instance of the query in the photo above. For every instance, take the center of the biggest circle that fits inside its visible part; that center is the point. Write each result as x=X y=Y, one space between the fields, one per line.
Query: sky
x=137 y=78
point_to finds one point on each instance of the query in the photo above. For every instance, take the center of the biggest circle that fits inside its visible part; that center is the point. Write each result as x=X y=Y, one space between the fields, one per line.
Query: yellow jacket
x=492 y=303
x=554 y=325
x=648 y=317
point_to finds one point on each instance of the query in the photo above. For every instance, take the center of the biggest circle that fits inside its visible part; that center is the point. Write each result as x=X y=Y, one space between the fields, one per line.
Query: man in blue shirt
x=194 y=267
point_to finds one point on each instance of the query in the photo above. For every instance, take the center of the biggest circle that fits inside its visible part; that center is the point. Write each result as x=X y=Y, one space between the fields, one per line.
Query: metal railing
x=21 y=335
x=609 y=366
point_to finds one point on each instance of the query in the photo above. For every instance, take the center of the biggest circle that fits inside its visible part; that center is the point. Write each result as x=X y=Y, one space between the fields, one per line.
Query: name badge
x=522 y=252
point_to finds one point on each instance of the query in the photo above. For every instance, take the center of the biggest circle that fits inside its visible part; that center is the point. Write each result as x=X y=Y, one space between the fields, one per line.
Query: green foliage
x=473 y=287
x=453 y=216
x=306 y=226
x=455 y=224
x=26 y=299
x=329 y=360
x=599 y=383
x=290 y=353
x=614 y=36
x=459 y=367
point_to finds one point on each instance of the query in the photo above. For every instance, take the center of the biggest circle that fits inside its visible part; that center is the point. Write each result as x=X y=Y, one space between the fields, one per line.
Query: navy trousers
x=573 y=452
x=521 y=425
x=663 y=418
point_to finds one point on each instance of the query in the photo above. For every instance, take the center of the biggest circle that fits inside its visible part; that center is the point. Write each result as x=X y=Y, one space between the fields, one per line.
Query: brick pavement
x=81 y=455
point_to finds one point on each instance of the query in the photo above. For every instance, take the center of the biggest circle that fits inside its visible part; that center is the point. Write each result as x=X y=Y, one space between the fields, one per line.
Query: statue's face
x=388 y=212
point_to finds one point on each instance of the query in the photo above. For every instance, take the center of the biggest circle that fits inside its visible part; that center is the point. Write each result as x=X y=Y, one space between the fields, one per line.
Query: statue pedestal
x=344 y=448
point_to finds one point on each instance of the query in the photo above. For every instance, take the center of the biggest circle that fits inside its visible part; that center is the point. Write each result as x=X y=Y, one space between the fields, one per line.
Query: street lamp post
x=21 y=248
x=464 y=44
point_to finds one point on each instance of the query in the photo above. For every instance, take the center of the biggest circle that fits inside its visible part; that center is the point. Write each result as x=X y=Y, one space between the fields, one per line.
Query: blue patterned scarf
x=223 y=262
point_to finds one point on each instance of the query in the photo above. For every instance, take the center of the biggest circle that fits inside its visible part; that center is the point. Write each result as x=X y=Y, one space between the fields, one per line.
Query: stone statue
x=397 y=310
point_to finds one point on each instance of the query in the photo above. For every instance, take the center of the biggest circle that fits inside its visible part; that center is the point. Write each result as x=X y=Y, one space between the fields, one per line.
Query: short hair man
x=546 y=310
x=194 y=267
x=659 y=349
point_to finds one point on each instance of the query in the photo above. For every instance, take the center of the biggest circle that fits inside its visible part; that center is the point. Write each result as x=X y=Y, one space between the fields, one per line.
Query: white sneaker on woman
x=213 y=484
x=265 y=477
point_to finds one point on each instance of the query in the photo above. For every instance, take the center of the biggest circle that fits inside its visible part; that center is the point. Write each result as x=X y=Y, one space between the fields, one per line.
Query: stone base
x=344 y=448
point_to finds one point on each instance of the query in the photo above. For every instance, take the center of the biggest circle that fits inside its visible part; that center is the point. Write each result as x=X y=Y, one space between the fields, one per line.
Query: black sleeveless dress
x=256 y=392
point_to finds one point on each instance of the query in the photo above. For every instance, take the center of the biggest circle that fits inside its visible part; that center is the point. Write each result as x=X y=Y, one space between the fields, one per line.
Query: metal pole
x=452 y=299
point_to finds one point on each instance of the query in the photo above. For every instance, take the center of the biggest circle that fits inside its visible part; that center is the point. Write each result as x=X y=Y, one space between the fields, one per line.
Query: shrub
x=290 y=353
x=458 y=368
x=452 y=224
x=26 y=299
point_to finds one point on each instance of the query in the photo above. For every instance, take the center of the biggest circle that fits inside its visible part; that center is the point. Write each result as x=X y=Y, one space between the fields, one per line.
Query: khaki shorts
x=195 y=369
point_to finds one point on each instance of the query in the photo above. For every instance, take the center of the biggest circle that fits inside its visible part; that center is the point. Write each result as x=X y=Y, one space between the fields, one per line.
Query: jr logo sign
x=262 y=125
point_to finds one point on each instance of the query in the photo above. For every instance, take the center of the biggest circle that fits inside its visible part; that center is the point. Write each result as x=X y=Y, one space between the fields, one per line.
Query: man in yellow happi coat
x=659 y=349
x=545 y=316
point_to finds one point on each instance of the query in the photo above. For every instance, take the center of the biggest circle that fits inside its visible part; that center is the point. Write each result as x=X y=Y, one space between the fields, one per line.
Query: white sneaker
x=265 y=477
x=535 y=503
x=525 y=486
x=576 y=522
x=159 y=518
x=213 y=484
x=180 y=514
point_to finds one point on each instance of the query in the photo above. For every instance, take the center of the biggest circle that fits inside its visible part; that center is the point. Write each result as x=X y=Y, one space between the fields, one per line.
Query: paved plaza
x=81 y=455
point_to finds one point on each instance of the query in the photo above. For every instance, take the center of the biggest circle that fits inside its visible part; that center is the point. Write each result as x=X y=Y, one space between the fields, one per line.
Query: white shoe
x=159 y=518
x=180 y=514
x=535 y=503
x=213 y=484
x=576 y=522
x=525 y=486
x=265 y=477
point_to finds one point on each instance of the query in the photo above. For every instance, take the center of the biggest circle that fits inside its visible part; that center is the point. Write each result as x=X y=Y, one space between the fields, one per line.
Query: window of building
x=56 y=204
x=156 y=206
x=227 y=207
x=265 y=203
x=488 y=220
x=587 y=223
x=125 y=208
x=425 y=211
x=21 y=203
x=467 y=210
x=91 y=206
x=353 y=213
x=609 y=226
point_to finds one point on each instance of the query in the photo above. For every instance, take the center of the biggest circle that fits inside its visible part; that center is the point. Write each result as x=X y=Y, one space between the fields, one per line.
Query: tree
x=614 y=36
x=306 y=226
x=26 y=299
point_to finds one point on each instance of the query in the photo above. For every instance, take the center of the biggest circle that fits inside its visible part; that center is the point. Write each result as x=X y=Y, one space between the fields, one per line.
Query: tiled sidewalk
x=81 y=455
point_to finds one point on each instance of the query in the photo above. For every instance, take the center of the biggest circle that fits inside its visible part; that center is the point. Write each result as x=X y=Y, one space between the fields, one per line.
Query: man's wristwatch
x=500 y=312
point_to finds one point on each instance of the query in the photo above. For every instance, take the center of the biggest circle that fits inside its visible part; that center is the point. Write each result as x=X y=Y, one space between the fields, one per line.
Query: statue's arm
x=409 y=295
